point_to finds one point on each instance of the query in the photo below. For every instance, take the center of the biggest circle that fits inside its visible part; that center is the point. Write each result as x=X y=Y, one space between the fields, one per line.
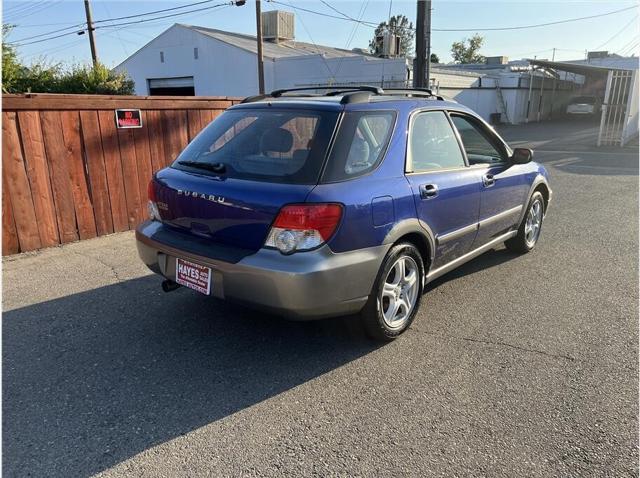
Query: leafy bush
x=98 y=80
x=44 y=77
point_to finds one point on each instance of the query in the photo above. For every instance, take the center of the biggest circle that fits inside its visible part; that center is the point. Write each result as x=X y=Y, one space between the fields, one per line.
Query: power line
x=519 y=27
x=143 y=20
x=115 y=32
x=154 y=12
x=314 y=44
x=363 y=9
x=618 y=33
x=629 y=48
x=168 y=16
x=36 y=8
x=111 y=20
x=328 y=15
x=339 y=12
x=38 y=25
x=74 y=28
x=522 y=27
x=626 y=45
x=22 y=9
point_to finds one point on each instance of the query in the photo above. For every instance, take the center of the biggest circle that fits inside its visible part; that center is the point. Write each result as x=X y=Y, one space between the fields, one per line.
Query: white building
x=506 y=93
x=196 y=60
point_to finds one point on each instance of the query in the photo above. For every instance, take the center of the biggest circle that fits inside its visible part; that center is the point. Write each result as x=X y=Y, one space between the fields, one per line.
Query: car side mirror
x=521 y=156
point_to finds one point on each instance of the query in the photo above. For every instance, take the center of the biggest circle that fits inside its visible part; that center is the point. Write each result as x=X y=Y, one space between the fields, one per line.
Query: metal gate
x=614 y=108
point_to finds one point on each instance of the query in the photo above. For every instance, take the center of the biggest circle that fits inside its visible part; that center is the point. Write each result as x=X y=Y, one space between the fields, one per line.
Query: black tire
x=519 y=243
x=372 y=313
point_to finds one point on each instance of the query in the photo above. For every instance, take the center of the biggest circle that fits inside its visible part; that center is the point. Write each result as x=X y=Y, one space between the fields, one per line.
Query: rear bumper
x=308 y=285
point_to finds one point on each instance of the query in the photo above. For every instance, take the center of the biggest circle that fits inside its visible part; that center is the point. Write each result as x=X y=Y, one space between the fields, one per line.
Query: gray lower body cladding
x=303 y=286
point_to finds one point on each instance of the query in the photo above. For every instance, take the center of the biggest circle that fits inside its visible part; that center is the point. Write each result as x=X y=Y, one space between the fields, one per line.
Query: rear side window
x=264 y=145
x=360 y=144
x=585 y=100
x=433 y=144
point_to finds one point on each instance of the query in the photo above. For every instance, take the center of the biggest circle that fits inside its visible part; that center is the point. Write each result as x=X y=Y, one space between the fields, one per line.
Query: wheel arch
x=539 y=184
x=417 y=233
x=543 y=188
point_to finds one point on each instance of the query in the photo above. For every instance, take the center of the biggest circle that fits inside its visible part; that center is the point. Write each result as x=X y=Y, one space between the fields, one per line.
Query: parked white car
x=584 y=105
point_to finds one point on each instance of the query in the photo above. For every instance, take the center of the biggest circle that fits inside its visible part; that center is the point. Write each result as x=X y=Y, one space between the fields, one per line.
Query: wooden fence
x=68 y=173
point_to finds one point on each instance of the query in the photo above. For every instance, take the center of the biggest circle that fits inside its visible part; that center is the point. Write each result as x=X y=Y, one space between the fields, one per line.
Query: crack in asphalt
x=100 y=261
x=503 y=344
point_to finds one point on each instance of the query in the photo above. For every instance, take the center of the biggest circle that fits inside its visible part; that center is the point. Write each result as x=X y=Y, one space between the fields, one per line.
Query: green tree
x=10 y=65
x=398 y=25
x=98 y=80
x=435 y=58
x=44 y=77
x=468 y=50
x=39 y=77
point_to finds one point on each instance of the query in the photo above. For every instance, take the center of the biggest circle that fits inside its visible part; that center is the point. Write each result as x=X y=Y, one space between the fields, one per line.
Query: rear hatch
x=228 y=185
x=232 y=212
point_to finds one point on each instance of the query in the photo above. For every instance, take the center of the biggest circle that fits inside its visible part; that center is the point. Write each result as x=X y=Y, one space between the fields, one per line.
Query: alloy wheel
x=533 y=223
x=399 y=292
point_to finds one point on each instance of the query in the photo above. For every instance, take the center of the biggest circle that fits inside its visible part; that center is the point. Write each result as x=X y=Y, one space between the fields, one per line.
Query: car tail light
x=301 y=227
x=154 y=212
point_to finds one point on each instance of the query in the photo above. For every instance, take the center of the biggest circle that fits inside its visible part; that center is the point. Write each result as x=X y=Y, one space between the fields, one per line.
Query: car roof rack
x=335 y=90
x=419 y=92
x=350 y=94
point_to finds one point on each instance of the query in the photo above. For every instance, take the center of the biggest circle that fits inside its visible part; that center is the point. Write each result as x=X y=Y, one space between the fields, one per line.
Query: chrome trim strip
x=457 y=233
x=499 y=216
x=434 y=274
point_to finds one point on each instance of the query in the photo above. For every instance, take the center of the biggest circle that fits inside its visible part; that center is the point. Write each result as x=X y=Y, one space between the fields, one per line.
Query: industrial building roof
x=282 y=49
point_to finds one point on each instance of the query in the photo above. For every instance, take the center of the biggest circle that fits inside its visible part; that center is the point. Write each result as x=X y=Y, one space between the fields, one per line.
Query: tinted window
x=588 y=100
x=479 y=148
x=264 y=145
x=360 y=144
x=433 y=144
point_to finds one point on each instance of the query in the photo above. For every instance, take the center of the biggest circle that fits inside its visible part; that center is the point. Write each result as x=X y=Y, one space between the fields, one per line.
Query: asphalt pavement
x=517 y=365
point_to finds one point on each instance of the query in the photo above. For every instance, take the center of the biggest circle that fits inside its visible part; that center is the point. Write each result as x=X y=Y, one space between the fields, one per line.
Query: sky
x=617 y=32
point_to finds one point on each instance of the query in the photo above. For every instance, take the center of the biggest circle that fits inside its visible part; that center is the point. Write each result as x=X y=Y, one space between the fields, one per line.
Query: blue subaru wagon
x=348 y=202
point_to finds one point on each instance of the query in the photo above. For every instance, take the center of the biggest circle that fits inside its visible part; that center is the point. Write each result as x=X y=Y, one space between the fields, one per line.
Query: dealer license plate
x=194 y=276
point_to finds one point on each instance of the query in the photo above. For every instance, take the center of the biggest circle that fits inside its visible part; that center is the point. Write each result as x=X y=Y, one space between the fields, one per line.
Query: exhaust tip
x=169 y=285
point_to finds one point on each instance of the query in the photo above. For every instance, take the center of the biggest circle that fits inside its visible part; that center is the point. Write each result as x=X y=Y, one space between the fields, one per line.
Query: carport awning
x=578 y=68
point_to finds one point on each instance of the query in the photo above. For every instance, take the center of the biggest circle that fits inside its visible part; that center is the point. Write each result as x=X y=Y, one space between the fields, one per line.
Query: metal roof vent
x=278 y=26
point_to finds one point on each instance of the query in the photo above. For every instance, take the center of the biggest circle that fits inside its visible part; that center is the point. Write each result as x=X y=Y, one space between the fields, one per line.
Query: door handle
x=428 y=191
x=488 y=180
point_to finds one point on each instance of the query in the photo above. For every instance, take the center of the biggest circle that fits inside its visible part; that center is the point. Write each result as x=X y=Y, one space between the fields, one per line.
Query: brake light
x=152 y=206
x=300 y=227
x=151 y=191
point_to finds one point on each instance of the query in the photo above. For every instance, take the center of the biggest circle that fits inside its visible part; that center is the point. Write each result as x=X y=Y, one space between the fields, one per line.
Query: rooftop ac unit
x=389 y=44
x=278 y=26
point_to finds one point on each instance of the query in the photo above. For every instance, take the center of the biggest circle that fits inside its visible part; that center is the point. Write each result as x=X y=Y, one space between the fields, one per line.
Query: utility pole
x=90 y=30
x=259 y=40
x=553 y=57
x=427 y=27
x=421 y=70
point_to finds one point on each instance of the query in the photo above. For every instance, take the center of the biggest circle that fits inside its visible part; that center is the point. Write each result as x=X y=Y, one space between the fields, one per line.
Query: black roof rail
x=422 y=92
x=337 y=90
x=350 y=94
x=251 y=99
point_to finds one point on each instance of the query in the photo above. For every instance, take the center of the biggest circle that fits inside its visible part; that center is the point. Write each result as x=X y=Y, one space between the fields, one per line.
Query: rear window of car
x=588 y=100
x=360 y=144
x=268 y=145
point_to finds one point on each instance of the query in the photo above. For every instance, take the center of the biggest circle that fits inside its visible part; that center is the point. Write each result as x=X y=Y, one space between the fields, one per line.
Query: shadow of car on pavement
x=94 y=378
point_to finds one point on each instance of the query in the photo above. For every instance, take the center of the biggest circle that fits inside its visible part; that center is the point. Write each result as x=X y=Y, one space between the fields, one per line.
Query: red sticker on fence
x=128 y=119
x=193 y=275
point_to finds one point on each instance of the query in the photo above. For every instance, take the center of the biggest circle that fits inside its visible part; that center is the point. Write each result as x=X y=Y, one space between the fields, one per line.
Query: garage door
x=182 y=86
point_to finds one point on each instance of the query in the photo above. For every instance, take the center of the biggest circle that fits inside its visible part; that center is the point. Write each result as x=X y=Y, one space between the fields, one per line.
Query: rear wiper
x=219 y=168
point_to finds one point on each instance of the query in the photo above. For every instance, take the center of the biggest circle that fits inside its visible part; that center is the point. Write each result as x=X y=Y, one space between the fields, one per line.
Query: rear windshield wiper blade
x=213 y=167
